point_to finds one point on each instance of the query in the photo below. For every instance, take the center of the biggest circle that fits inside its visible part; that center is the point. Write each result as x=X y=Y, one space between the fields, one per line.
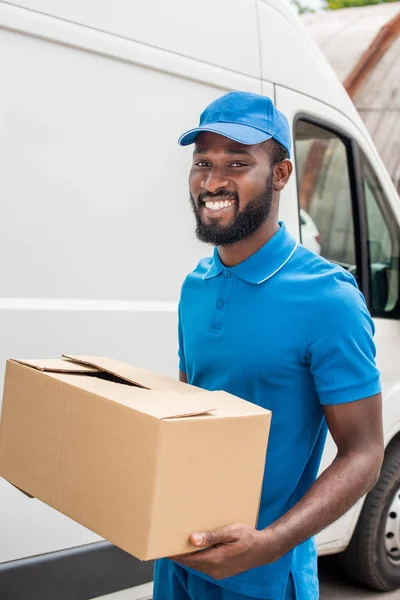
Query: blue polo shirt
x=289 y=331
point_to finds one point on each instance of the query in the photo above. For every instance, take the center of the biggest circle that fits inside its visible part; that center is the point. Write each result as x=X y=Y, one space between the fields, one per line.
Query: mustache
x=221 y=194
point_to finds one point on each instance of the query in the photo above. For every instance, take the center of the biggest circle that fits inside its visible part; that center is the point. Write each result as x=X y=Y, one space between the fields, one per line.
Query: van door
x=348 y=212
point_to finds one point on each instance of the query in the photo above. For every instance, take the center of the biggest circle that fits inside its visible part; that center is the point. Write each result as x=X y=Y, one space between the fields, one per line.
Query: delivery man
x=269 y=321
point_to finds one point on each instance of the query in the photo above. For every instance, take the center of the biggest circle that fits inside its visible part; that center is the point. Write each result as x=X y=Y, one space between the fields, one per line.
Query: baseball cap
x=243 y=117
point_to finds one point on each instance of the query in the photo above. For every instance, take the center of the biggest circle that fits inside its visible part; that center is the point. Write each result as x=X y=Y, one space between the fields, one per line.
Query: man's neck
x=236 y=253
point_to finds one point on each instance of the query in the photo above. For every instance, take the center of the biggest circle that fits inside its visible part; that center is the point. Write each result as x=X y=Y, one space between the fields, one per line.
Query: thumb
x=212 y=538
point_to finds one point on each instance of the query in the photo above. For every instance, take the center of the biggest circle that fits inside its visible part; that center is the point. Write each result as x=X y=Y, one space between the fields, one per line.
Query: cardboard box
x=138 y=458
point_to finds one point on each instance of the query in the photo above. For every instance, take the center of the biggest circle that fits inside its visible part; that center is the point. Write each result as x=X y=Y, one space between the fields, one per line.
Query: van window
x=325 y=194
x=383 y=246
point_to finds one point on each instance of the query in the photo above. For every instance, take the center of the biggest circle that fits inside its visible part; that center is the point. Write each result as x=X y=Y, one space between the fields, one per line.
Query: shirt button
x=220 y=303
x=227 y=273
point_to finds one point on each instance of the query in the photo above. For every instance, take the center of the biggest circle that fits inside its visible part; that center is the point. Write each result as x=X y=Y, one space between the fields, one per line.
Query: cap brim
x=244 y=134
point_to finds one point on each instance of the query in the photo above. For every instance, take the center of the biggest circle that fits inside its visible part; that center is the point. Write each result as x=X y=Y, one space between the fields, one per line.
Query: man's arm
x=356 y=428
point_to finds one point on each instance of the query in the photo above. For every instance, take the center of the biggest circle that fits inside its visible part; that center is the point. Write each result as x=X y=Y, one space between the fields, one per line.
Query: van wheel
x=373 y=555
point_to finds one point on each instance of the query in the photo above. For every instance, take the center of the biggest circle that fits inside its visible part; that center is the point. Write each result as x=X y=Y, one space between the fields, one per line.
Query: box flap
x=22 y=491
x=56 y=365
x=159 y=404
x=169 y=405
x=137 y=376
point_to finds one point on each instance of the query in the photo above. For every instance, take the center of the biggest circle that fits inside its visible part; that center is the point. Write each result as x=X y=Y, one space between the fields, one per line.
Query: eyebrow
x=228 y=151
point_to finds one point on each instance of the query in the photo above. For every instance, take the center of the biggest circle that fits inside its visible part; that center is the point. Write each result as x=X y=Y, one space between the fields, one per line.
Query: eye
x=236 y=165
x=201 y=163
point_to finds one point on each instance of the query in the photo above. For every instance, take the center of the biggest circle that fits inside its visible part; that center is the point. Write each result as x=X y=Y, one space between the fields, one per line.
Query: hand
x=229 y=551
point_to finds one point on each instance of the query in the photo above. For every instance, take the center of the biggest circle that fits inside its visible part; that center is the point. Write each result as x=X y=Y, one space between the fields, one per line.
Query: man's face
x=231 y=188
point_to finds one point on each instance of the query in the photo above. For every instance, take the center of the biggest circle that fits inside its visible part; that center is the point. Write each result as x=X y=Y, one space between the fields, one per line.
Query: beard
x=244 y=223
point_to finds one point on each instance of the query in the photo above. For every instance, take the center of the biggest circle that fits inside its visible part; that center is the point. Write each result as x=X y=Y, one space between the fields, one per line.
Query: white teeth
x=218 y=205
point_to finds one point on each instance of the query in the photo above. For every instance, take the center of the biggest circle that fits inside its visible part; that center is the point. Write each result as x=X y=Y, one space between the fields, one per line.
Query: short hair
x=277 y=152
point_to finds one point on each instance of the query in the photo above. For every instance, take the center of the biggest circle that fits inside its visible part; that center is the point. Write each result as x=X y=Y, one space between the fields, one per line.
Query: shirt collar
x=264 y=263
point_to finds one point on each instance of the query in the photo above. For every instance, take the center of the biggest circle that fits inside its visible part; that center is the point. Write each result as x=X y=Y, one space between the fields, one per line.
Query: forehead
x=208 y=142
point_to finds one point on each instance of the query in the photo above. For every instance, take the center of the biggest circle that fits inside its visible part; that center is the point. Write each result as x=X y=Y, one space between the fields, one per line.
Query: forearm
x=339 y=487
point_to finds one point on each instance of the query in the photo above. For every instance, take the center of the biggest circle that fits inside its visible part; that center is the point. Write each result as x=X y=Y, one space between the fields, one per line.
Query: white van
x=96 y=231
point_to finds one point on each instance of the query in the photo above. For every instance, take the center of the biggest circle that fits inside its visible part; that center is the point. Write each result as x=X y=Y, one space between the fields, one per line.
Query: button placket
x=222 y=301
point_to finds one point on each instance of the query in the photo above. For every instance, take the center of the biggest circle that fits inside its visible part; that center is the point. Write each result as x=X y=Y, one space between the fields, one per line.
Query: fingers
x=201 y=561
x=203 y=539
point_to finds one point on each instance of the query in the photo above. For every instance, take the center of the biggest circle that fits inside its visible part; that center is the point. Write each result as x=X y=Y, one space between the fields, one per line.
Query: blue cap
x=243 y=117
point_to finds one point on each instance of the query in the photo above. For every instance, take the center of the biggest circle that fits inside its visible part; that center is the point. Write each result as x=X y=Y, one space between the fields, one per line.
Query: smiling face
x=231 y=188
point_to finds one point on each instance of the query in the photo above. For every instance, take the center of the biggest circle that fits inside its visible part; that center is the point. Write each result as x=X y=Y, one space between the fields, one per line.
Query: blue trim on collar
x=264 y=263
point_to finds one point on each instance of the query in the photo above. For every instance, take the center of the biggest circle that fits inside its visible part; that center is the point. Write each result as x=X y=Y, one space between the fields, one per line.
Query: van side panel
x=208 y=32
x=97 y=231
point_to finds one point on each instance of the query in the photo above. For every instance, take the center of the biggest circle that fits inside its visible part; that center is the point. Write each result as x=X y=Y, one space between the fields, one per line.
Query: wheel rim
x=392 y=531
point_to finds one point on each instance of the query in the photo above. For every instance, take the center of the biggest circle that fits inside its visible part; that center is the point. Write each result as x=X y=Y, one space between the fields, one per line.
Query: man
x=269 y=321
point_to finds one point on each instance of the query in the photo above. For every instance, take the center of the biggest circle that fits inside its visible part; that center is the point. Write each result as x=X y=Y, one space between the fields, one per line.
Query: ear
x=282 y=173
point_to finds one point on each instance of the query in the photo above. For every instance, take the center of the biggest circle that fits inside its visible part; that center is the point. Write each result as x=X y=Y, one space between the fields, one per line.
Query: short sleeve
x=339 y=344
x=181 y=353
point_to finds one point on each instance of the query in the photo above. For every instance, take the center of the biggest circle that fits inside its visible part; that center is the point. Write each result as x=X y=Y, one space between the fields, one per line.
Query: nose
x=214 y=182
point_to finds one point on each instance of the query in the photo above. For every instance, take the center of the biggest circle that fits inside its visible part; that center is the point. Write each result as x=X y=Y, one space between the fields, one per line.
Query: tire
x=373 y=555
